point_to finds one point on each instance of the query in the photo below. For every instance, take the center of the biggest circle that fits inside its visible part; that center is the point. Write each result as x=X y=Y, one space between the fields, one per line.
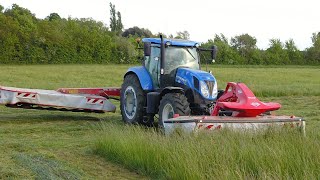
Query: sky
x=263 y=19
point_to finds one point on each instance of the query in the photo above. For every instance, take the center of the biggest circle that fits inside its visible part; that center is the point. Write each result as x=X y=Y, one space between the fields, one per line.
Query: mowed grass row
x=54 y=145
x=264 y=82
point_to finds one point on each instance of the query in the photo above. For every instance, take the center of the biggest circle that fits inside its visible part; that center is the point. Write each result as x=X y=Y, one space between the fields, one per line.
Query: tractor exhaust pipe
x=162 y=59
x=162 y=56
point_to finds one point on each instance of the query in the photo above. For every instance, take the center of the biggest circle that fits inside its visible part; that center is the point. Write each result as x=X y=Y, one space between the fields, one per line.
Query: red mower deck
x=55 y=100
x=196 y=123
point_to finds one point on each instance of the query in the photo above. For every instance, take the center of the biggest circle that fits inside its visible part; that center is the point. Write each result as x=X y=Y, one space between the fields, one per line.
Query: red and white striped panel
x=97 y=101
x=26 y=95
x=208 y=126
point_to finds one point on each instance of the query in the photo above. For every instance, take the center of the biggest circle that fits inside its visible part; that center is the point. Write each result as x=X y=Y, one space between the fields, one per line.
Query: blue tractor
x=169 y=82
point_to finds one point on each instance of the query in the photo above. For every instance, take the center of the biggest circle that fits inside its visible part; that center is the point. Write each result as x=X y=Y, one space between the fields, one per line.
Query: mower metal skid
x=54 y=100
x=196 y=123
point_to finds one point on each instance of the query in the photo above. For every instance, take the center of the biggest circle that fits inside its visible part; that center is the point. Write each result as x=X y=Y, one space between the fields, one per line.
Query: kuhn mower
x=169 y=84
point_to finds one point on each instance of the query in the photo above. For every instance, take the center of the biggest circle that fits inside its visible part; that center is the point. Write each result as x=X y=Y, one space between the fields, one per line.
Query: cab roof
x=173 y=42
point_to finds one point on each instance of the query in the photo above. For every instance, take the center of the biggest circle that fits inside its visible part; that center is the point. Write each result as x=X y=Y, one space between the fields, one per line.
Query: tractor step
x=54 y=100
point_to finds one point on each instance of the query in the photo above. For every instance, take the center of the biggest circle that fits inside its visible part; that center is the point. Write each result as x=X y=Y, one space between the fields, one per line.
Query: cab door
x=152 y=64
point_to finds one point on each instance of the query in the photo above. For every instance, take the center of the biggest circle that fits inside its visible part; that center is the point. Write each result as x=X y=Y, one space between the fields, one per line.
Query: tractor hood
x=194 y=78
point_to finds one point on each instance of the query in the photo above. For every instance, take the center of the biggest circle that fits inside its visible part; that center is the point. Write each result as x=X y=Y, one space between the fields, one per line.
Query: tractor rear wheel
x=132 y=100
x=170 y=104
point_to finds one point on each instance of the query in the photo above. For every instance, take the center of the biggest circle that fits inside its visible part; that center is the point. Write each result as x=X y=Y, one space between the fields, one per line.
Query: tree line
x=25 y=39
x=242 y=49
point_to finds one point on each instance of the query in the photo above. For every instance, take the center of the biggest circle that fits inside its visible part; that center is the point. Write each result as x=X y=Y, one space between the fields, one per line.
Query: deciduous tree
x=295 y=56
x=313 y=53
x=136 y=31
x=276 y=54
x=53 y=16
x=115 y=20
x=183 y=35
x=246 y=46
x=1 y=8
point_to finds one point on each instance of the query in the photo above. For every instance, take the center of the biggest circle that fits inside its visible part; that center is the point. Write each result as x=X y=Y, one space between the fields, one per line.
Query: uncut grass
x=223 y=154
x=57 y=76
x=272 y=82
x=274 y=154
x=263 y=81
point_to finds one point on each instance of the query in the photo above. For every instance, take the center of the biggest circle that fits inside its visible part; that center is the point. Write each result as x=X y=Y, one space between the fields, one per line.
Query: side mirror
x=214 y=50
x=147 y=48
x=138 y=40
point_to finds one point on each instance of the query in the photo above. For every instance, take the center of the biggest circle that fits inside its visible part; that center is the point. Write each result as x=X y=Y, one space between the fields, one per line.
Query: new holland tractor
x=170 y=81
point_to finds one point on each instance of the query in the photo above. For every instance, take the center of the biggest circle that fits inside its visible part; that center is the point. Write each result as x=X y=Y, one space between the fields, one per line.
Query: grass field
x=44 y=144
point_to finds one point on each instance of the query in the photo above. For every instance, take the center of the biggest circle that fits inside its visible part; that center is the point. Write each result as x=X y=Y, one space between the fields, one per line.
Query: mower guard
x=77 y=100
x=238 y=98
x=196 y=123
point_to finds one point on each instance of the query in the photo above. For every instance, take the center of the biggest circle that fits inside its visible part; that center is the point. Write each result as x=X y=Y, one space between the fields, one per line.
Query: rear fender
x=143 y=75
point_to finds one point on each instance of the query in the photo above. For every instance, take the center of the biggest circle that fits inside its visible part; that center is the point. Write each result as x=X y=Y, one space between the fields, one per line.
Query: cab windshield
x=181 y=57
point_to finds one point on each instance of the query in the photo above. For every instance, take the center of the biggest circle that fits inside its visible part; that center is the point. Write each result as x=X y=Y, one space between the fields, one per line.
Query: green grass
x=46 y=168
x=223 y=154
x=274 y=154
x=38 y=144
x=45 y=144
x=266 y=82
x=57 y=76
x=55 y=145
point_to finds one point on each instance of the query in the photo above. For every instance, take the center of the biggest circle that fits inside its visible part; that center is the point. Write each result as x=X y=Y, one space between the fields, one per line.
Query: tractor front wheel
x=170 y=104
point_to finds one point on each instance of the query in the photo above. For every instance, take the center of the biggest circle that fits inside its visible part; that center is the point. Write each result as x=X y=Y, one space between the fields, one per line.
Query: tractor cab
x=178 y=53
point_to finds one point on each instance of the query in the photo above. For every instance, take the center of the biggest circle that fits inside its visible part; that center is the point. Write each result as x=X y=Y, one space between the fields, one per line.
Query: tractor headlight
x=215 y=90
x=204 y=89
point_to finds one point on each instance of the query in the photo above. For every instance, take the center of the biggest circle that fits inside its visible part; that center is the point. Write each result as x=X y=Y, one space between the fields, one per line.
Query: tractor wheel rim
x=167 y=112
x=130 y=104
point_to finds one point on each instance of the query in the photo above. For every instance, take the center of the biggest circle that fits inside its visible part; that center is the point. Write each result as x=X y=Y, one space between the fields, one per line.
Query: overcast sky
x=263 y=19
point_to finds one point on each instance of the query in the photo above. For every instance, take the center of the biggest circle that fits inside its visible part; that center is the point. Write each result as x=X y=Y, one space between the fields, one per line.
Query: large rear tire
x=170 y=104
x=132 y=100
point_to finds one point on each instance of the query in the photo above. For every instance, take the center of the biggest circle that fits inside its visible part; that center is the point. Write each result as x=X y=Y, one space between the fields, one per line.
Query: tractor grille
x=210 y=85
